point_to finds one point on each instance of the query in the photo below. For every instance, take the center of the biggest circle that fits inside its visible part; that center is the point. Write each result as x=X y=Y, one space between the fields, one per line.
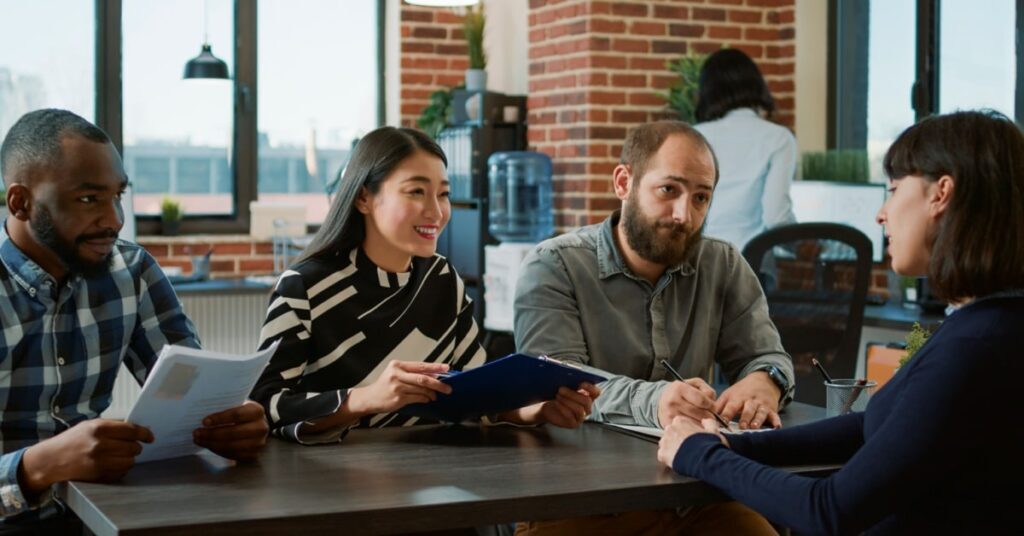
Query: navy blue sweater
x=939 y=450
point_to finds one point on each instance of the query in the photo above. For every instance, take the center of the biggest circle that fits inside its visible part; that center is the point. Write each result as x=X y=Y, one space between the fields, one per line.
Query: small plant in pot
x=170 y=216
x=473 y=29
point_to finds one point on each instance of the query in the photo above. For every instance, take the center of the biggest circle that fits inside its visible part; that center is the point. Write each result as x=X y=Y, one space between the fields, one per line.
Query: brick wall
x=433 y=55
x=233 y=255
x=597 y=68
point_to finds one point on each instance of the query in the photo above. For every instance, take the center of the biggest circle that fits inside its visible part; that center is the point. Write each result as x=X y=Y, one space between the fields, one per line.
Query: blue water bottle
x=520 y=196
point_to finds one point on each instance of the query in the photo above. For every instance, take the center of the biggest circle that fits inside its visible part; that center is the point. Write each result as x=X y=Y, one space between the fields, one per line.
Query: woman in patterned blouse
x=370 y=314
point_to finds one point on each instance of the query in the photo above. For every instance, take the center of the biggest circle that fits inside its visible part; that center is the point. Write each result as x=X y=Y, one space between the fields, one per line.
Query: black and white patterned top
x=342 y=320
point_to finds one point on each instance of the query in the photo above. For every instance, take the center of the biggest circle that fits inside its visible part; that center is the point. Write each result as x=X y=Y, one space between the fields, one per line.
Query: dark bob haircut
x=977 y=248
x=374 y=158
x=729 y=79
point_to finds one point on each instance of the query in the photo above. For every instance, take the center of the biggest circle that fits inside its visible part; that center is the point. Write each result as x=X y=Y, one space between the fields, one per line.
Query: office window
x=150 y=175
x=914 y=58
x=46 y=61
x=318 y=93
x=170 y=118
x=977 y=59
x=890 y=77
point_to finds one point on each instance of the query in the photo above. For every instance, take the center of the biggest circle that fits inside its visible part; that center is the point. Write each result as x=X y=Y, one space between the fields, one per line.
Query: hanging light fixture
x=442 y=3
x=206 y=65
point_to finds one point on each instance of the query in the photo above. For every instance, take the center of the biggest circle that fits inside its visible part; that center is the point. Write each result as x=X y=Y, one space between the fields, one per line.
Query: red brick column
x=433 y=55
x=597 y=68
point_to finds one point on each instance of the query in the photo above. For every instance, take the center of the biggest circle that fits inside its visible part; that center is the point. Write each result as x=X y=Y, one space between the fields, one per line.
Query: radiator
x=227 y=323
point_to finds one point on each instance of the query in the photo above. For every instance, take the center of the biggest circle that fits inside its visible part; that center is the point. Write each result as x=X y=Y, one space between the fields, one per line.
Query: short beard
x=643 y=237
x=44 y=230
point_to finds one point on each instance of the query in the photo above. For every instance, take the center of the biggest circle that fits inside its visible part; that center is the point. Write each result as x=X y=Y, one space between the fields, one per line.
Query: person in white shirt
x=757 y=158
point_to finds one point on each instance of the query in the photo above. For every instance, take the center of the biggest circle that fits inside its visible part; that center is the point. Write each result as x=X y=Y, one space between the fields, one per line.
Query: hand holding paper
x=238 y=433
x=188 y=386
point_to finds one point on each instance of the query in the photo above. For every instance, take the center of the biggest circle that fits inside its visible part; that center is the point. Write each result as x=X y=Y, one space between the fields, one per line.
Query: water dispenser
x=520 y=196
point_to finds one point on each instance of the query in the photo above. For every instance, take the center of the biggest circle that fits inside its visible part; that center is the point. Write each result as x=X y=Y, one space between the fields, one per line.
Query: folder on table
x=508 y=383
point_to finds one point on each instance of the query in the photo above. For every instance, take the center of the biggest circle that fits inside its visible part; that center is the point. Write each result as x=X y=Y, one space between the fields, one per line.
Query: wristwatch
x=780 y=381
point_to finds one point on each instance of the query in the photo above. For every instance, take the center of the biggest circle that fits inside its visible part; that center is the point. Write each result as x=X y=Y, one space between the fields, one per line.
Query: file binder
x=508 y=383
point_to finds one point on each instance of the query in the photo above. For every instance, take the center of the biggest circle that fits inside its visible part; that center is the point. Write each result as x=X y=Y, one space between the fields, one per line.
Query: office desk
x=897 y=317
x=397 y=480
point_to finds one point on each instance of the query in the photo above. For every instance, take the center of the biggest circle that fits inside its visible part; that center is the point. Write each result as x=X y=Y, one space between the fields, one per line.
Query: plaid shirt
x=62 y=346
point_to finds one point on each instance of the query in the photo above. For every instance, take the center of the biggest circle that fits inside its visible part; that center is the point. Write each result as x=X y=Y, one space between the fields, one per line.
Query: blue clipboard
x=504 y=384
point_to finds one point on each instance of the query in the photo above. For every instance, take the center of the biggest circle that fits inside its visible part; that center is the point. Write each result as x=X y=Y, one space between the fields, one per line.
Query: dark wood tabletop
x=398 y=480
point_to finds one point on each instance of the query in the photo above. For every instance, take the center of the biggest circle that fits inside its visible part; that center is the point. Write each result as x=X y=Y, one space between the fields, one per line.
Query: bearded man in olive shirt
x=645 y=285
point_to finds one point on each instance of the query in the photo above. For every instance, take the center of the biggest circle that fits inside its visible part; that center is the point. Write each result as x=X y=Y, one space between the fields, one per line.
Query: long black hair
x=374 y=158
x=729 y=79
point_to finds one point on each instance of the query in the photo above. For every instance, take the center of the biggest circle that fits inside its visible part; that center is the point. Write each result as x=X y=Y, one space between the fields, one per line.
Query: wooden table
x=398 y=480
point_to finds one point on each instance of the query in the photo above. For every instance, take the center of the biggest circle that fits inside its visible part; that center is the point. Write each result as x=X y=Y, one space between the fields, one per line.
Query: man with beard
x=643 y=286
x=76 y=303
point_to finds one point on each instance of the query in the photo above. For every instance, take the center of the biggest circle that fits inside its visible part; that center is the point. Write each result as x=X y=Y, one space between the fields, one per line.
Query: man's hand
x=237 y=433
x=567 y=410
x=400 y=384
x=692 y=398
x=753 y=401
x=97 y=450
x=680 y=430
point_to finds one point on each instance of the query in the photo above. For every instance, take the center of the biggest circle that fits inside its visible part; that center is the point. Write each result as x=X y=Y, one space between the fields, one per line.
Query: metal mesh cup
x=846 y=395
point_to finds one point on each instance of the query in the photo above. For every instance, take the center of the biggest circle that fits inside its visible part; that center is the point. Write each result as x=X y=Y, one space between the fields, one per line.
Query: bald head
x=35 y=142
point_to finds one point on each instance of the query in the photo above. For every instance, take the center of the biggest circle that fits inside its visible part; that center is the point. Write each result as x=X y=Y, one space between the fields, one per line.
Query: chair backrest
x=815 y=277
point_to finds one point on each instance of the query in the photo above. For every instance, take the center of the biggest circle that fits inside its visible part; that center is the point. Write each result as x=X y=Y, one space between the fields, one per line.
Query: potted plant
x=842 y=165
x=473 y=29
x=437 y=115
x=915 y=340
x=682 y=95
x=170 y=216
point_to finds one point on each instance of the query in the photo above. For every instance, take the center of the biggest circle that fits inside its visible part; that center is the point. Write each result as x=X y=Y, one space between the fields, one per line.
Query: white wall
x=392 y=62
x=811 y=74
x=506 y=41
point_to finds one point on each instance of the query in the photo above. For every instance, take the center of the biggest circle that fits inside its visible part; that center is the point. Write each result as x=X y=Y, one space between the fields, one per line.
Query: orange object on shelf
x=883 y=360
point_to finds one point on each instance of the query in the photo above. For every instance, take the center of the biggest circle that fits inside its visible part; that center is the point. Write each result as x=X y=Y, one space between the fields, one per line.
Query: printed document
x=656 y=433
x=185 y=386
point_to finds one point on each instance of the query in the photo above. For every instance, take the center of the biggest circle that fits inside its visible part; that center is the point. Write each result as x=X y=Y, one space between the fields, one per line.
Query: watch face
x=777 y=377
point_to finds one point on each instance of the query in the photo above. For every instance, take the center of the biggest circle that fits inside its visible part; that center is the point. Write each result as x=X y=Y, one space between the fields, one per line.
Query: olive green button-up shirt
x=576 y=301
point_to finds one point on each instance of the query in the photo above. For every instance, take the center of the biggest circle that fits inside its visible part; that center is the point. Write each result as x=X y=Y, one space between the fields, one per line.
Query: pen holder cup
x=844 y=396
x=201 y=267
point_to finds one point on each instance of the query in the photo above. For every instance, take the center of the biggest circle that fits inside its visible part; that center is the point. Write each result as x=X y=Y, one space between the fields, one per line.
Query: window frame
x=245 y=146
x=845 y=17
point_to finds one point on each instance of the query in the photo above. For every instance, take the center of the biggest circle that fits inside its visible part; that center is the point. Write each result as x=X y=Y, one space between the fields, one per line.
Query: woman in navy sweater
x=938 y=450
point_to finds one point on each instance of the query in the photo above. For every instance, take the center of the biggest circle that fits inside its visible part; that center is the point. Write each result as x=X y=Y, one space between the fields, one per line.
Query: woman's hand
x=681 y=429
x=567 y=410
x=402 y=383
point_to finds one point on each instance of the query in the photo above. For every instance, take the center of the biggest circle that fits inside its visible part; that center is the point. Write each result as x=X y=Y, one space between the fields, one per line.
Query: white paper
x=734 y=428
x=187 y=385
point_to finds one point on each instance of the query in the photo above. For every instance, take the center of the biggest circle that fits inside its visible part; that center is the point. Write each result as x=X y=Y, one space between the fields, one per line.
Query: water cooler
x=520 y=214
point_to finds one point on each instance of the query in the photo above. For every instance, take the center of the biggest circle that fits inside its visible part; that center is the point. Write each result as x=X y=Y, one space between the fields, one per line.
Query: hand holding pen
x=694 y=392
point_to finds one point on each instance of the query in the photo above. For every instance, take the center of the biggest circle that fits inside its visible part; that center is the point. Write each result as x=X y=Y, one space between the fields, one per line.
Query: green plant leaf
x=473 y=25
x=682 y=95
x=840 y=165
x=915 y=340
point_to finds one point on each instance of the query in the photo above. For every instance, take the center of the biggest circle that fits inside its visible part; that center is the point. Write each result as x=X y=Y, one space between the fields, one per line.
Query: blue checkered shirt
x=62 y=345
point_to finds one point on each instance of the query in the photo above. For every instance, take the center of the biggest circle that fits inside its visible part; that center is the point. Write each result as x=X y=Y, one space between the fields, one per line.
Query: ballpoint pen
x=679 y=377
x=821 y=369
